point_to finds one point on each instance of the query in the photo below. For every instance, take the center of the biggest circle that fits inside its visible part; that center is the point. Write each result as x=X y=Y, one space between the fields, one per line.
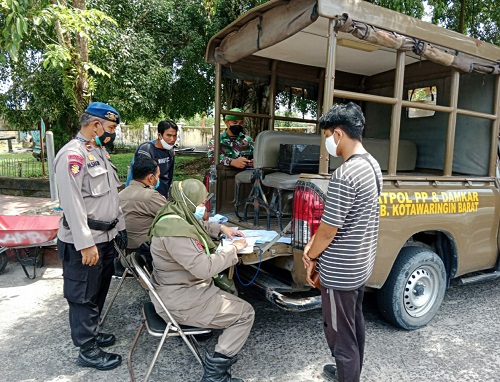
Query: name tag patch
x=93 y=164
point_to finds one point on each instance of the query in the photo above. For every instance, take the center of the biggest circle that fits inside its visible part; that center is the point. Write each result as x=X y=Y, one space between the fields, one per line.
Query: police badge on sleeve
x=75 y=164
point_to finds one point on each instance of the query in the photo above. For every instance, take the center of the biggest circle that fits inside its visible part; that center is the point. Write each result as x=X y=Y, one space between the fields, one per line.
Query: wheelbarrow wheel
x=3 y=261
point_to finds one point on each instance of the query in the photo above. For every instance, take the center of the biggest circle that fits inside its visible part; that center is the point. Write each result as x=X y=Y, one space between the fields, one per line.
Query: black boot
x=92 y=356
x=330 y=371
x=104 y=340
x=217 y=369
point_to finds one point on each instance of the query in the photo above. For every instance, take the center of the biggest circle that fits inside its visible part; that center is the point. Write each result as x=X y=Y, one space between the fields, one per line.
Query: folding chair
x=156 y=325
x=128 y=270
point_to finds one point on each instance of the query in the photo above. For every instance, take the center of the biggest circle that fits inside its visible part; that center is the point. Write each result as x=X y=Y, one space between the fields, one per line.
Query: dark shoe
x=92 y=356
x=217 y=369
x=105 y=340
x=330 y=371
x=119 y=268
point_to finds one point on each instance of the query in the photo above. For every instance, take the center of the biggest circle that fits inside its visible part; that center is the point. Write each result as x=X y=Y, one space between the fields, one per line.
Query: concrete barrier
x=25 y=187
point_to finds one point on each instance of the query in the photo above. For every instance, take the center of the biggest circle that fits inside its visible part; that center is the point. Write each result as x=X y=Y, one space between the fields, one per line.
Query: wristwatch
x=311 y=259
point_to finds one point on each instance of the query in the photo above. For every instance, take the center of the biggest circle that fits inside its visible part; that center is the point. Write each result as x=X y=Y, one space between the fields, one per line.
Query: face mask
x=165 y=145
x=331 y=146
x=105 y=139
x=200 y=212
x=157 y=184
x=236 y=129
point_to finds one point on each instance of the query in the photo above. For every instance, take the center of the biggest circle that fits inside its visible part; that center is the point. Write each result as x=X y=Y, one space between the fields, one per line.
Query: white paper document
x=247 y=249
x=264 y=236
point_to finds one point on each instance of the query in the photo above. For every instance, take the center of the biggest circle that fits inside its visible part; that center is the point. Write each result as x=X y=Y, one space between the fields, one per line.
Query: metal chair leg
x=280 y=213
x=113 y=298
x=196 y=347
x=134 y=343
x=157 y=352
x=237 y=201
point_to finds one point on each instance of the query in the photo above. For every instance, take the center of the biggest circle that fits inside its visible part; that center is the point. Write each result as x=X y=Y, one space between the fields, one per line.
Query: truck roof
x=296 y=31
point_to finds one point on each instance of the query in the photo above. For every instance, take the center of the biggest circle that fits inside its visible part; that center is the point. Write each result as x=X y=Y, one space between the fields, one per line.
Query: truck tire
x=3 y=261
x=415 y=289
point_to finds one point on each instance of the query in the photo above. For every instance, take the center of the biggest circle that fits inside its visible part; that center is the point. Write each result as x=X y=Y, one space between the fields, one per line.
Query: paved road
x=461 y=344
x=20 y=205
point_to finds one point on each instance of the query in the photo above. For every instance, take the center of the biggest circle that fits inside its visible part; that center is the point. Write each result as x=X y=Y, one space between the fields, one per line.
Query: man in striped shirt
x=345 y=244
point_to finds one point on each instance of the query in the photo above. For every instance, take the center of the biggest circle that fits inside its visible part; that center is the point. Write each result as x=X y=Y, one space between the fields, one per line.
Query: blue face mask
x=200 y=212
x=157 y=184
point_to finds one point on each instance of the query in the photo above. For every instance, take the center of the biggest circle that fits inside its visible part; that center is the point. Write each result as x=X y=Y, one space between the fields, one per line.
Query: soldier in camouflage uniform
x=236 y=148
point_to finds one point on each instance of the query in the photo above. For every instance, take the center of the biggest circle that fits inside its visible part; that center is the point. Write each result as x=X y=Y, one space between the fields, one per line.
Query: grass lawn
x=185 y=166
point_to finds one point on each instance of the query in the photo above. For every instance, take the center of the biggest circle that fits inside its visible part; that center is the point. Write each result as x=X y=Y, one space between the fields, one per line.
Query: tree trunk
x=81 y=56
x=461 y=20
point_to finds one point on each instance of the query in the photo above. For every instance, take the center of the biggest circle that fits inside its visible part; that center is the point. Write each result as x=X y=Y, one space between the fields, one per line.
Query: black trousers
x=344 y=326
x=85 y=288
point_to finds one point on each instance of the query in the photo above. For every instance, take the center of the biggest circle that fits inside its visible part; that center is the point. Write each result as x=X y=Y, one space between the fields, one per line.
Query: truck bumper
x=279 y=293
x=292 y=304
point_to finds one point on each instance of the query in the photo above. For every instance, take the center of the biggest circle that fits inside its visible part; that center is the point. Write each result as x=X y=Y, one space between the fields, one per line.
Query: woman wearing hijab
x=184 y=261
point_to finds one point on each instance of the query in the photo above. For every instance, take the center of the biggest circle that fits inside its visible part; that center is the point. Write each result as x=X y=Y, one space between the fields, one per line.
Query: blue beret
x=104 y=111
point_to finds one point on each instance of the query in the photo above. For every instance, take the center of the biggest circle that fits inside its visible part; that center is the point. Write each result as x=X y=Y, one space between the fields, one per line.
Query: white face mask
x=200 y=212
x=331 y=146
x=165 y=145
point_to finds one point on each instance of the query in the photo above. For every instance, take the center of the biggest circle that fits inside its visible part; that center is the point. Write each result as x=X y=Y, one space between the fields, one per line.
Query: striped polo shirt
x=352 y=206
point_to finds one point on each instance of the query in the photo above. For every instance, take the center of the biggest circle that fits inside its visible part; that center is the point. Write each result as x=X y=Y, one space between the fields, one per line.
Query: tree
x=56 y=56
x=54 y=35
x=478 y=19
x=414 y=8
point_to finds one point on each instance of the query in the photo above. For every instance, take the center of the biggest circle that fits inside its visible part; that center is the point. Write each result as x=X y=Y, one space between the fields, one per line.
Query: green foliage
x=197 y=120
x=149 y=63
x=414 y=8
x=47 y=65
x=479 y=19
x=185 y=166
x=15 y=27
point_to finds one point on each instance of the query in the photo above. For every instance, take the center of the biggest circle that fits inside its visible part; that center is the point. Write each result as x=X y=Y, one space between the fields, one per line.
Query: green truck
x=431 y=98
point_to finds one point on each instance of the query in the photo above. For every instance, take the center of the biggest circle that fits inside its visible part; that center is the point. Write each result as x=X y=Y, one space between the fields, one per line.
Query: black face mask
x=106 y=139
x=236 y=129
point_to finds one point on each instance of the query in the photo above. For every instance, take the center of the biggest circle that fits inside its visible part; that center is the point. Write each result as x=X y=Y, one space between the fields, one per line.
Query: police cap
x=104 y=111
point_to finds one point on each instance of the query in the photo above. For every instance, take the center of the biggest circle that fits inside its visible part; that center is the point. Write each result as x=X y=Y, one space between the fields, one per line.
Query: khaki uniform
x=183 y=277
x=139 y=205
x=87 y=183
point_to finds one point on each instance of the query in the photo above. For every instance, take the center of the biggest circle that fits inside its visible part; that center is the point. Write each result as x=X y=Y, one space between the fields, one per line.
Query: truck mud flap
x=278 y=292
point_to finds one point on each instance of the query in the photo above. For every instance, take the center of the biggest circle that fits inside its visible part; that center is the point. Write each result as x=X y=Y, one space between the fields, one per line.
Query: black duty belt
x=97 y=225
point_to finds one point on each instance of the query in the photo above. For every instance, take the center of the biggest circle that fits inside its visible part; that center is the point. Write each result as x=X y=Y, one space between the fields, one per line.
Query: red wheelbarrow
x=29 y=234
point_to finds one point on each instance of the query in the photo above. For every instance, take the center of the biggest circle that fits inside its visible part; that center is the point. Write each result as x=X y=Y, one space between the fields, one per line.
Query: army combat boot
x=92 y=356
x=217 y=369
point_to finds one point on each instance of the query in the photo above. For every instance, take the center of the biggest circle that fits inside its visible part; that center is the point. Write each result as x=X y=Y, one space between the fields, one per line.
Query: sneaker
x=330 y=371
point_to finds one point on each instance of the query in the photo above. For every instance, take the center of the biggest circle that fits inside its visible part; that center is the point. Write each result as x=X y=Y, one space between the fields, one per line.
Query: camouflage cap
x=104 y=111
x=230 y=117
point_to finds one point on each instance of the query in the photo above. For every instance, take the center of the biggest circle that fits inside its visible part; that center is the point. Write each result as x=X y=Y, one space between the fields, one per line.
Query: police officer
x=87 y=182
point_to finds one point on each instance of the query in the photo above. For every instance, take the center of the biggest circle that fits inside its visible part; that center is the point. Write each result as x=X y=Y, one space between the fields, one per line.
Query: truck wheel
x=415 y=289
x=3 y=261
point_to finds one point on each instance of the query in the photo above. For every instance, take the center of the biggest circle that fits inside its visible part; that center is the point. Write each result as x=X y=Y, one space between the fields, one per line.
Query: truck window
x=426 y=95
